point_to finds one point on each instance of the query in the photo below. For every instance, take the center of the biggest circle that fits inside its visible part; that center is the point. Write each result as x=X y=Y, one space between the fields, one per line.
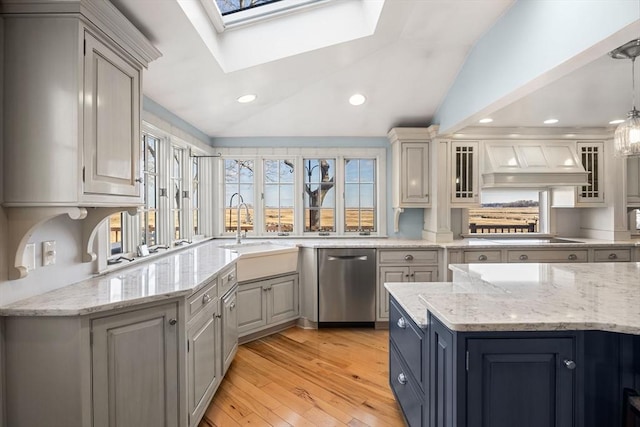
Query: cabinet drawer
x=409 y=339
x=559 y=255
x=207 y=295
x=228 y=279
x=612 y=255
x=482 y=256
x=399 y=256
x=410 y=401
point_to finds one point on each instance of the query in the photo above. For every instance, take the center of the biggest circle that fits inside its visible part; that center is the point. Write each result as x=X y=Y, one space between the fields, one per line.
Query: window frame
x=297 y=155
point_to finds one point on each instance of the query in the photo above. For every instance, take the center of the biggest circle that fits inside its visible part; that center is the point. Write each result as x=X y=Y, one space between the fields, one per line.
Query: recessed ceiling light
x=245 y=99
x=357 y=99
x=550 y=121
x=616 y=122
x=485 y=120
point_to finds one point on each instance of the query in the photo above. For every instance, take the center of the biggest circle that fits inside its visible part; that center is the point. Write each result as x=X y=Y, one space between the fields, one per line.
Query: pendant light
x=627 y=135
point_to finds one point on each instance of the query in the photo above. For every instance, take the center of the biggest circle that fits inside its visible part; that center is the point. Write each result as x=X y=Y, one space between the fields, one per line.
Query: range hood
x=532 y=164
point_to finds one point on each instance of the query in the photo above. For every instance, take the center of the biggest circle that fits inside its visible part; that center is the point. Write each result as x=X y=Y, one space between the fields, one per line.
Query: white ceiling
x=405 y=70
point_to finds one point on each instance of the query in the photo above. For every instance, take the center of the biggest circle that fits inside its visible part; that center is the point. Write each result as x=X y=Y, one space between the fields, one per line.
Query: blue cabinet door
x=524 y=382
x=442 y=391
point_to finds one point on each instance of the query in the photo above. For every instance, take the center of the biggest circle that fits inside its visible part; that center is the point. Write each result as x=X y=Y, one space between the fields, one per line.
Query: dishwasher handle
x=347 y=257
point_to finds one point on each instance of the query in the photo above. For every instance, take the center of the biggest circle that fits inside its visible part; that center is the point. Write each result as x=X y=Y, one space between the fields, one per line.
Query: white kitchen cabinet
x=633 y=182
x=266 y=303
x=464 y=174
x=400 y=265
x=591 y=155
x=204 y=354
x=134 y=365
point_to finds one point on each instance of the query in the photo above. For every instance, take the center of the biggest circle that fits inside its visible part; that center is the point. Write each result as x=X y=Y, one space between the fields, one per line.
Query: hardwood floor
x=327 y=377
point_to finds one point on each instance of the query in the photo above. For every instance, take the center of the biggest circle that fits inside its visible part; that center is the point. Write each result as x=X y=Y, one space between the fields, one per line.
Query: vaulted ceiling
x=417 y=67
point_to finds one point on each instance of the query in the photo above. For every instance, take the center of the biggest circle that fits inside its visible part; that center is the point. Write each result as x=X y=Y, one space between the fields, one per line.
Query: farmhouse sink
x=263 y=259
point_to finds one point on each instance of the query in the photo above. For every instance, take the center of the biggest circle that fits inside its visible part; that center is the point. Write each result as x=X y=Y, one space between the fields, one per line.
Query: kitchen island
x=517 y=344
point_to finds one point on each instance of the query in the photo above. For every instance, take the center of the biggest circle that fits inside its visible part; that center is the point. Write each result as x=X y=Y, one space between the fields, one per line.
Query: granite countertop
x=173 y=275
x=533 y=297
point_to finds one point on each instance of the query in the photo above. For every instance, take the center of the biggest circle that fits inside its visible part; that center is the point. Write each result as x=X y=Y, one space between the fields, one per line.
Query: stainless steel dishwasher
x=346 y=286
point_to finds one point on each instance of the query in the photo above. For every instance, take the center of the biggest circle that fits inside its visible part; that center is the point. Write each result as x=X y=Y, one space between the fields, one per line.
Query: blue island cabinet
x=445 y=378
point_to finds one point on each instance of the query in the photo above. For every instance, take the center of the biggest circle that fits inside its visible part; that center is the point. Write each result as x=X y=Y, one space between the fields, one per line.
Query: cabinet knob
x=218 y=316
x=408 y=257
x=230 y=277
x=173 y=321
x=402 y=378
x=402 y=324
x=523 y=257
x=406 y=275
x=572 y=257
x=613 y=256
x=482 y=258
x=570 y=364
x=232 y=306
x=206 y=299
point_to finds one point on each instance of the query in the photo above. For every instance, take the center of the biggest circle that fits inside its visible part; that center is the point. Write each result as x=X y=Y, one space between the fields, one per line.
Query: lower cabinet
x=521 y=381
x=443 y=378
x=204 y=355
x=229 y=328
x=267 y=303
x=135 y=354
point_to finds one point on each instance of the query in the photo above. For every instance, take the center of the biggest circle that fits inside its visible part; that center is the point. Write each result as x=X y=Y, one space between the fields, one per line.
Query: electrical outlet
x=29 y=257
x=49 y=252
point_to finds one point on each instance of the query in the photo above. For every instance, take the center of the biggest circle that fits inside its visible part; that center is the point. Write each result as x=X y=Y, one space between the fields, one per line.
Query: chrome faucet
x=247 y=218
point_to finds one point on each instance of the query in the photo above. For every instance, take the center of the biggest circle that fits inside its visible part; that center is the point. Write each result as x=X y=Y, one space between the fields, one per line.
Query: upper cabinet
x=633 y=181
x=72 y=134
x=464 y=173
x=410 y=168
x=592 y=157
x=72 y=96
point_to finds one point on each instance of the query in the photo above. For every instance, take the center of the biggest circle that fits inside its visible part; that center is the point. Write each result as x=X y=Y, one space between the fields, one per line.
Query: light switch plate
x=29 y=257
x=49 y=252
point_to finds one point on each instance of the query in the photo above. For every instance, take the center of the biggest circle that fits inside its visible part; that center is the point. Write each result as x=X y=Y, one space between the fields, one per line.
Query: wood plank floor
x=327 y=377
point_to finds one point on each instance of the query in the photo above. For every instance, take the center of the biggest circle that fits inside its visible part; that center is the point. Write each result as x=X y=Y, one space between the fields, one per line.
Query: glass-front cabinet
x=464 y=173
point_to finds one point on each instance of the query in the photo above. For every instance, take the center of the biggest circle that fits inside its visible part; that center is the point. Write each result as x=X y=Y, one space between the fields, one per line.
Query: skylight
x=238 y=12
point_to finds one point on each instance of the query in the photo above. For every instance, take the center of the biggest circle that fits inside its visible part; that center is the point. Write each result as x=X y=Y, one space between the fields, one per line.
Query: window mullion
x=164 y=236
x=258 y=192
x=339 y=180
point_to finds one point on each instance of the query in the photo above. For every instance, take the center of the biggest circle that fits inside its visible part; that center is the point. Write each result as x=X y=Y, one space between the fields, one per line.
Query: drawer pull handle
x=613 y=256
x=573 y=257
x=523 y=257
x=230 y=277
x=206 y=299
x=408 y=257
x=402 y=378
x=172 y=322
x=570 y=364
x=482 y=258
x=402 y=324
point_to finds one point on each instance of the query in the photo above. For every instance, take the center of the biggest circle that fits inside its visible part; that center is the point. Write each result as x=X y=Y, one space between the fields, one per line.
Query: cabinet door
x=633 y=181
x=135 y=368
x=282 y=299
x=388 y=274
x=229 y=329
x=203 y=360
x=523 y=382
x=592 y=159
x=111 y=122
x=441 y=366
x=252 y=307
x=423 y=274
x=464 y=170
x=415 y=174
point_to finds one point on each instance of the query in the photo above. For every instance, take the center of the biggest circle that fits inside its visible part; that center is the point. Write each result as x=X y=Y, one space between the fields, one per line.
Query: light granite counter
x=173 y=275
x=530 y=297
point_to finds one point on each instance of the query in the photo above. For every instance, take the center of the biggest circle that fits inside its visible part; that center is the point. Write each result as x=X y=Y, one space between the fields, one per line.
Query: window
x=320 y=195
x=195 y=196
x=177 y=211
x=506 y=211
x=239 y=194
x=359 y=195
x=148 y=215
x=279 y=214
x=634 y=222
x=115 y=233
x=300 y=193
